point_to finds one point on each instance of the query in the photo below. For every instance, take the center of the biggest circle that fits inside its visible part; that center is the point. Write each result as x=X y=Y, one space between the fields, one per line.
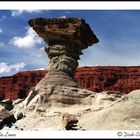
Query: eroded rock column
x=66 y=38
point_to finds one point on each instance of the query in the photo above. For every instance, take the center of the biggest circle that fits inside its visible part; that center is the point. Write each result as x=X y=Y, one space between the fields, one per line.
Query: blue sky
x=118 y=32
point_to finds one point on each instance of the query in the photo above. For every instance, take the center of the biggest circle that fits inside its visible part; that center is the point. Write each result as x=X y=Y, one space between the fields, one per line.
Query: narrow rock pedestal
x=66 y=38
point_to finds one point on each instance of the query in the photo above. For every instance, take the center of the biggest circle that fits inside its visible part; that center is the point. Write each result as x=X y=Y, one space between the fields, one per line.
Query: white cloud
x=29 y=40
x=20 y=12
x=1 y=30
x=7 y=68
x=40 y=69
x=63 y=17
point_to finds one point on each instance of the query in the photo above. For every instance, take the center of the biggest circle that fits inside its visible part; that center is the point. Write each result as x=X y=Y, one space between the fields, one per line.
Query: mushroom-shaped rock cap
x=54 y=30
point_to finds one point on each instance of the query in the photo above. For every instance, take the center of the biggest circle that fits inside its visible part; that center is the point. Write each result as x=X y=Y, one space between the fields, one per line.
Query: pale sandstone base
x=99 y=111
x=120 y=114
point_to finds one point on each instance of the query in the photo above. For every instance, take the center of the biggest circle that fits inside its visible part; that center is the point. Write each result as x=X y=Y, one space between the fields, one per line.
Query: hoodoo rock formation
x=66 y=38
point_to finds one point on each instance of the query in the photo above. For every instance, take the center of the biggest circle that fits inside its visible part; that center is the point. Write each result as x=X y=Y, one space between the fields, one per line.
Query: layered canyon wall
x=98 y=79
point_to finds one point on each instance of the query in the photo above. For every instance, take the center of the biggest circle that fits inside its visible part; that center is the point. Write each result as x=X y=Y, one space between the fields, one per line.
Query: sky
x=118 y=31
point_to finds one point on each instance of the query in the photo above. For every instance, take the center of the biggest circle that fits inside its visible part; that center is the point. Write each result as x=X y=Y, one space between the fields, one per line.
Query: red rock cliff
x=19 y=84
x=100 y=78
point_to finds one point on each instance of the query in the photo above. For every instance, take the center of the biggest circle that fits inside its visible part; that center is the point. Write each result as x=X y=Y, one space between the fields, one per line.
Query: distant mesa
x=100 y=78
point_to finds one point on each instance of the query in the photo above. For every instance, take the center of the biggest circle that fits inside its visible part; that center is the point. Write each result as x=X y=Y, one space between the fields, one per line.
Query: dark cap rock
x=54 y=30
